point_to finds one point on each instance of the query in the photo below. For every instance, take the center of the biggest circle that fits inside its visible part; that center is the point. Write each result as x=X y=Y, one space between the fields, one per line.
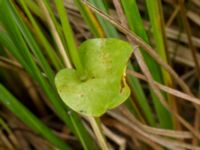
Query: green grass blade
x=50 y=51
x=136 y=25
x=47 y=4
x=29 y=119
x=8 y=43
x=155 y=16
x=34 y=8
x=108 y=28
x=155 y=19
x=90 y=19
x=69 y=37
x=20 y=50
x=27 y=36
x=37 y=10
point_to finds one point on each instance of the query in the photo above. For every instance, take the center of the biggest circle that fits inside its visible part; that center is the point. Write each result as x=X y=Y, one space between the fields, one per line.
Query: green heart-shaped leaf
x=104 y=61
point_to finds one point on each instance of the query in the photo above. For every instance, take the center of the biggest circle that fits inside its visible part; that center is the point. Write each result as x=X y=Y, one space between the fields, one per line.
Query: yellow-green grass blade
x=4 y=125
x=109 y=30
x=69 y=37
x=28 y=38
x=156 y=20
x=33 y=7
x=49 y=49
x=136 y=88
x=29 y=119
x=13 y=40
x=135 y=23
x=156 y=25
x=90 y=19
x=37 y=11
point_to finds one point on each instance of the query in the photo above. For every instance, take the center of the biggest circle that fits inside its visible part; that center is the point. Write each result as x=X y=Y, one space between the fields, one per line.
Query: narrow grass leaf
x=49 y=49
x=155 y=16
x=136 y=25
x=90 y=19
x=29 y=119
x=69 y=37
x=109 y=30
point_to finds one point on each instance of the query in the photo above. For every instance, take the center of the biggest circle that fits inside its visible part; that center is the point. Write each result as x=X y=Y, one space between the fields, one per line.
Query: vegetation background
x=40 y=37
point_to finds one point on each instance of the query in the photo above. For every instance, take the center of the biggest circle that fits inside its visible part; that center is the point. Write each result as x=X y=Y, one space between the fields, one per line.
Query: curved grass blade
x=29 y=119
